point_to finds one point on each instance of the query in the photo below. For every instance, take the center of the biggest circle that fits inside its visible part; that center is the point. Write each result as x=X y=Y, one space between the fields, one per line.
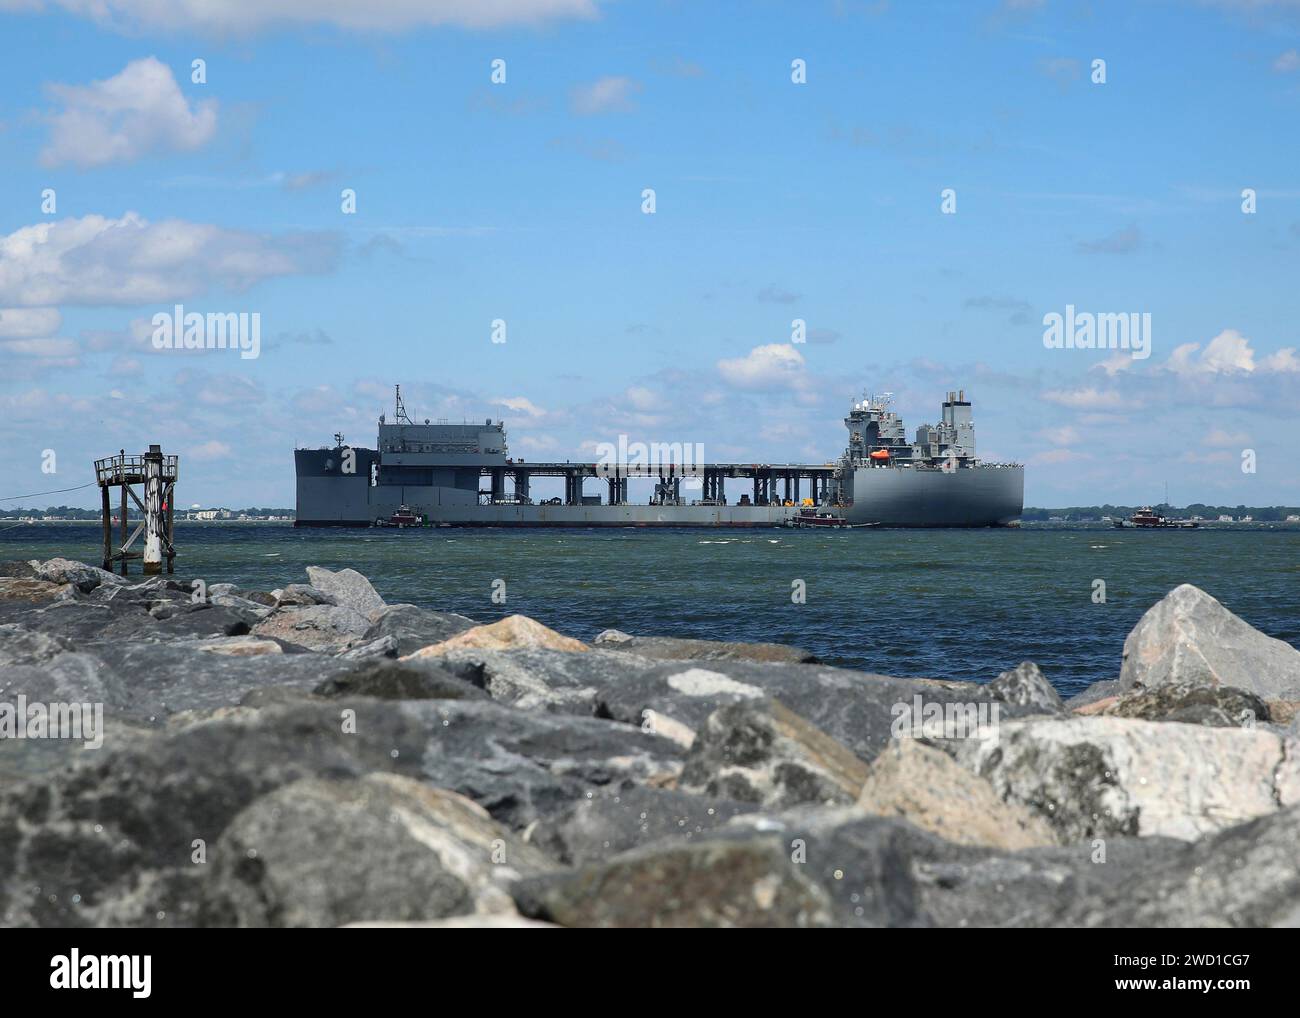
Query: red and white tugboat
x=819 y=517
x=404 y=517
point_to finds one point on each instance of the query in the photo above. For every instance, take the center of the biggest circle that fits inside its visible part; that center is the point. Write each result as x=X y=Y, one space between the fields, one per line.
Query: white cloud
x=520 y=405
x=138 y=111
x=210 y=450
x=1284 y=361
x=129 y=261
x=1066 y=435
x=1287 y=62
x=1218 y=438
x=1114 y=364
x=1229 y=353
x=47 y=347
x=225 y=16
x=774 y=366
x=29 y=323
x=612 y=94
x=1087 y=399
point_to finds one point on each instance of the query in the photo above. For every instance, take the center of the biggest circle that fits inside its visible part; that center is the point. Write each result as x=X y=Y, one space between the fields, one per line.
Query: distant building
x=1226 y=519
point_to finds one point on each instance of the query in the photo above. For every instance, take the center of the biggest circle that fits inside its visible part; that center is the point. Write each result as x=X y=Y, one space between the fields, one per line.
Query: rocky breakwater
x=314 y=756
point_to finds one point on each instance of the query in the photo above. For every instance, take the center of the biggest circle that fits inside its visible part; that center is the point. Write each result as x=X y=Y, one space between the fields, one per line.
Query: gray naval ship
x=444 y=474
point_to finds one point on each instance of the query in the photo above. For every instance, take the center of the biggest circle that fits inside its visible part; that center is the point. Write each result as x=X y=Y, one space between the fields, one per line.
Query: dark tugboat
x=1147 y=518
x=403 y=517
x=812 y=517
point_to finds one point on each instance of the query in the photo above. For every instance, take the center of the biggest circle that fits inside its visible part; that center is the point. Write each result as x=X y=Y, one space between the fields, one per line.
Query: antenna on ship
x=399 y=415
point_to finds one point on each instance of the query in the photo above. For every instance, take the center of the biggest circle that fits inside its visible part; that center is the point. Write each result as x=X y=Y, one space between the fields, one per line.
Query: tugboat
x=812 y=517
x=402 y=518
x=1147 y=518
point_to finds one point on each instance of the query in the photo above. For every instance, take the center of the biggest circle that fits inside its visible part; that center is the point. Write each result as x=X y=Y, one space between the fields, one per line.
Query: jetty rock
x=341 y=761
x=324 y=853
x=673 y=648
x=1103 y=777
x=348 y=588
x=760 y=751
x=1189 y=638
x=924 y=785
x=512 y=632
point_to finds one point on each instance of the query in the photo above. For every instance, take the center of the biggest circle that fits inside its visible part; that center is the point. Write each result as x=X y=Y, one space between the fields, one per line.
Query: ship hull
x=885 y=497
x=984 y=496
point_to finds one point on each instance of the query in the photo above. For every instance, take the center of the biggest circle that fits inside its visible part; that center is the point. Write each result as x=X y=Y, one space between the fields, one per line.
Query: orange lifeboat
x=880 y=454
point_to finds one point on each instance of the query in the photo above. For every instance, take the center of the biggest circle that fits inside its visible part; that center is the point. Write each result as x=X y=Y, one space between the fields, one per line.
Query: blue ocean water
x=937 y=603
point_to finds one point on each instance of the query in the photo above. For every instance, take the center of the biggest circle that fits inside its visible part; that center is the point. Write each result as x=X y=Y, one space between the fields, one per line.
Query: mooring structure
x=156 y=474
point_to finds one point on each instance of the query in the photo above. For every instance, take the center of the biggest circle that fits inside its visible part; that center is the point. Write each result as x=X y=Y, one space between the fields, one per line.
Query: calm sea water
x=939 y=603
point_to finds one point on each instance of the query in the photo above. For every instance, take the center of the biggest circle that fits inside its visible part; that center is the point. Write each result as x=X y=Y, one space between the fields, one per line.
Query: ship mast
x=399 y=415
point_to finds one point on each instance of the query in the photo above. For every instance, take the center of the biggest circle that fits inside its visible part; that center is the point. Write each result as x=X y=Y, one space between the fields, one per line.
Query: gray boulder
x=110 y=841
x=926 y=787
x=322 y=627
x=1027 y=686
x=302 y=594
x=1189 y=638
x=348 y=588
x=759 y=751
x=379 y=647
x=1217 y=706
x=85 y=578
x=1102 y=777
x=616 y=820
x=322 y=853
x=414 y=627
x=671 y=648
x=389 y=680
x=716 y=883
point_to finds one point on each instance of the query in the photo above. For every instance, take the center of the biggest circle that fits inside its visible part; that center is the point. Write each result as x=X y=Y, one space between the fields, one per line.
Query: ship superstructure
x=448 y=474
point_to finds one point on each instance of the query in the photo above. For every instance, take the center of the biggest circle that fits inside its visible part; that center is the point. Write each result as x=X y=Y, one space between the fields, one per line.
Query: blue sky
x=522 y=201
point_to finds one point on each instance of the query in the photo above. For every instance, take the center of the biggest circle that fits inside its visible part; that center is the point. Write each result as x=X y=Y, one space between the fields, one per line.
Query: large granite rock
x=514 y=632
x=31 y=591
x=110 y=841
x=672 y=648
x=1027 y=686
x=85 y=578
x=1217 y=706
x=615 y=820
x=925 y=786
x=303 y=594
x=715 y=883
x=413 y=627
x=761 y=752
x=318 y=852
x=1102 y=777
x=392 y=680
x=1189 y=638
x=348 y=588
x=322 y=627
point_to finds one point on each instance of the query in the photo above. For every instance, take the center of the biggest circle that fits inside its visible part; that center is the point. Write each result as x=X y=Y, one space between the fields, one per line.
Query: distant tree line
x=1079 y=513
x=68 y=512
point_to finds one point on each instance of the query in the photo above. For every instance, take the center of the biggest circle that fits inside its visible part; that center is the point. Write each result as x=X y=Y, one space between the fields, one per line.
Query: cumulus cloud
x=98 y=260
x=29 y=323
x=1089 y=398
x=1229 y=353
x=520 y=405
x=138 y=111
x=774 y=366
x=611 y=94
x=210 y=450
x=223 y=17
